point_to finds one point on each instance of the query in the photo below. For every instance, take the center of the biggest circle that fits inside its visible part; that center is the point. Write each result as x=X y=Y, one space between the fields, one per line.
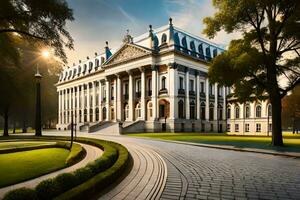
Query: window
x=211 y=112
x=193 y=48
x=112 y=92
x=191 y=85
x=96 y=63
x=202 y=87
x=192 y=110
x=163 y=38
x=247 y=127
x=237 y=112
x=228 y=127
x=258 y=127
x=269 y=110
x=104 y=113
x=180 y=109
x=200 y=51
x=220 y=91
x=91 y=115
x=184 y=44
x=163 y=83
x=97 y=114
x=180 y=82
x=150 y=109
x=126 y=88
x=247 y=112
x=202 y=108
x=211 y=91
x=150 y=84
x=228 y=113
x=176 y=41
x=138 y=86
x=208 y=55
x=258 y=111
x=85 y=115
x=270 y=127
x=236 y=127
x=112 y=113
x=90 y=66
x=138 y=110
x=126 y=111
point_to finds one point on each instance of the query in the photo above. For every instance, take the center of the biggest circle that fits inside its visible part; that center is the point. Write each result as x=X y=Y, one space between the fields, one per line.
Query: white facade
x=154 y=82
x=250 y=118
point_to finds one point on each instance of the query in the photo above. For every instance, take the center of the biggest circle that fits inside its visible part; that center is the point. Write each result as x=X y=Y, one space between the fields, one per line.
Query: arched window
x=269 y=110
x=193 y=48
x=202 y=108
x=176 y=41
x=96 y=63
x=163 y=83
x=91 y=115
x=200 y=51
x=211 y=111
x=90 y=66
x=85 y=115
x=84 y=68
x=220 y=112
x=228 y=113
x=163 y=38
x=184 y=45
x=192 y=110
x=104 y=113
x=237 y=112
x=247 y=112
x=149 y=109
x=156 y=42
x=138 y=110
x=97 y=114
x=208 y=54
x=258 y=111
x=180 y=109
x=126 y=111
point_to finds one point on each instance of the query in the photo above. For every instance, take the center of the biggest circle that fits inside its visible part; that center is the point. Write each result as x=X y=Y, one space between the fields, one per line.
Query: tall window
x=258 y=127
x=150 y=109
x=211 y=112
x=97 y=114
x=126 y=88
x=228 y=113
x=258 y=111
x=163 y=82
x=112 y=92
x=200 y=51
x=208 y=55
x=202 y=107
x=193 y=48
x=191 y=85
x=237 y=112
x=138 y=110
x=180 y=109
x=126 y=111
x=202 y=87
x=104 y=113
x=211 y=89
x=184 y=44
x=163 y=38
x=236 y=127
x=247 y=112
x=138 y=85
x=247 y=127
x=149 y=84
x=228 y=127
x=269 y=110
x=180 y=82
x=192 y=110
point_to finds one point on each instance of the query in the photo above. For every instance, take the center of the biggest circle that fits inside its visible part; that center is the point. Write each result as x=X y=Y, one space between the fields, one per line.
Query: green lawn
x=18 y=144
x=21 y=166
x=292 y=142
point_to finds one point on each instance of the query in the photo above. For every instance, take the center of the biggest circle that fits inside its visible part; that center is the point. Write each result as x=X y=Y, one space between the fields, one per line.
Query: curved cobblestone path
x=206 y=173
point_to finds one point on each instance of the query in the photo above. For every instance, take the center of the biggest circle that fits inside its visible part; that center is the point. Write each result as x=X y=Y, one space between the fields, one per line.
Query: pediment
x=127 y=52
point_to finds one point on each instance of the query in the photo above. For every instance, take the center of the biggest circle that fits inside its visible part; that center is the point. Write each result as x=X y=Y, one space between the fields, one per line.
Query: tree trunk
x=276 y=120
x=24 y=129
x=5 y=130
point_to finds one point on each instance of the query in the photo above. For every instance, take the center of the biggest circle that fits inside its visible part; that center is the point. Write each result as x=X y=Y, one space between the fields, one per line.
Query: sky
x=97 y=21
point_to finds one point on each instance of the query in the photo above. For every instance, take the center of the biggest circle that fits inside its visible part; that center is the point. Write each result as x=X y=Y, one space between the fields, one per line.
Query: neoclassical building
x=154 y=82
x=250 y=118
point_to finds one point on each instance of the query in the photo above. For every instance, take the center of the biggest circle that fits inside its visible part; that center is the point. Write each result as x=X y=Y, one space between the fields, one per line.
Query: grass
x=18 y=144
x=21 y=166
x=291 y=142
x=18 y=130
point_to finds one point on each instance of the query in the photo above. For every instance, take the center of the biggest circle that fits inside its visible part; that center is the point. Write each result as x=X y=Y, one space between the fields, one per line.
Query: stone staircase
x=106 y=127
x=133 y=127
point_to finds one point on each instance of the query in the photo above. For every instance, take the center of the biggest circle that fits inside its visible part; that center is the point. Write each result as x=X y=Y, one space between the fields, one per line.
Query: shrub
x=83 y=174
x=21 y=194
x=47 y=189
x=65 y=181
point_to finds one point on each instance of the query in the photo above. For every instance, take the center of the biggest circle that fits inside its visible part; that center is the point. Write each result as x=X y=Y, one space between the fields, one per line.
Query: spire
x=171 y=32
x=107 y=51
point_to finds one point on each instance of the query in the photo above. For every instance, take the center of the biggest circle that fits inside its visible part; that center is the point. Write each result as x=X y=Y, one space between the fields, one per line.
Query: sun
x=45 y=53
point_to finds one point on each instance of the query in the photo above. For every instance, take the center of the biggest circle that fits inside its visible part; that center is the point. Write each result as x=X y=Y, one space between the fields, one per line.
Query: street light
x=38 y=110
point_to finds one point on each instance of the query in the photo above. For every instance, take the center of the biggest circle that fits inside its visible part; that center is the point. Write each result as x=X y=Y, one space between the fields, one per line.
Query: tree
x=34 y=20
x=291 y=108
x=268 y=49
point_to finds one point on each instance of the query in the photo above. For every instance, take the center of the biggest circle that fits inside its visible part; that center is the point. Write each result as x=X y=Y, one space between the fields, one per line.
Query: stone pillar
x=154 y=92
x=216 y=102
x=73 y=104
x=88 y=102
x=107 y=85
x=143 y=94
x=119 y=99
x=207 y=99
x=62 y=106
x=59 y=107
x=82 y=103
x=94 y=101
x=77 y=103
x=100 y=101
x=198 y=96
x=187 y=94
x=172 y=90
x=69 y=107
x=115 y=99
x=130 y=97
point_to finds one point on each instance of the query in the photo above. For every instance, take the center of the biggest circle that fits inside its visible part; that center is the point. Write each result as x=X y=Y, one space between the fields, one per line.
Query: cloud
x=189 y=15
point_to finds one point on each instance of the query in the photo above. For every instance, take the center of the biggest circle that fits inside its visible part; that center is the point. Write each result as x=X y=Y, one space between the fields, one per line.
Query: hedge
x=84 y=181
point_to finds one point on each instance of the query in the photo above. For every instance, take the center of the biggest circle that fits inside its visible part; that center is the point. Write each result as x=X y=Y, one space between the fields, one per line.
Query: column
x=130 y=97
x=82 y=103
x=119 y=98
x=143 y=94
x=100 y=101
x=207 y=99
x=198 y=95
x=73 y=105
x=70 y=108
x=216 y=102
x=154 y=91
x=107 y=85
x=224 y=103
x=77 y=103
x=172 y=89
x=88 y=103
x=59 y=107
x=94 y=101
x=187 y=94
x=62 y=106
x=115 y=99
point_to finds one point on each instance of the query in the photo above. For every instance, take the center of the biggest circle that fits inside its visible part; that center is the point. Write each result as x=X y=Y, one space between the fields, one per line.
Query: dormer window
x=193 y=48
x=208 y=55
x=200 y=51
x=163 y=38
x=79 y=71
x=184 y=44
x=74 y=73
x=96 y=63
x=84 y=68
x=90 y=66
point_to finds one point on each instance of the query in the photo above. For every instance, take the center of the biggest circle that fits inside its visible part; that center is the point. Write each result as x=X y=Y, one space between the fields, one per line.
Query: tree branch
x=21 y=32
x=290 y=87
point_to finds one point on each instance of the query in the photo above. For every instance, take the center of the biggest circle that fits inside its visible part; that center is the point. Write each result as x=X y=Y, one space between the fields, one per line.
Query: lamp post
x=38 y=110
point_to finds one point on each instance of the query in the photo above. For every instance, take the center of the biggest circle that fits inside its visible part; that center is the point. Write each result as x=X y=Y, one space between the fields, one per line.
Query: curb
x=291 y=155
